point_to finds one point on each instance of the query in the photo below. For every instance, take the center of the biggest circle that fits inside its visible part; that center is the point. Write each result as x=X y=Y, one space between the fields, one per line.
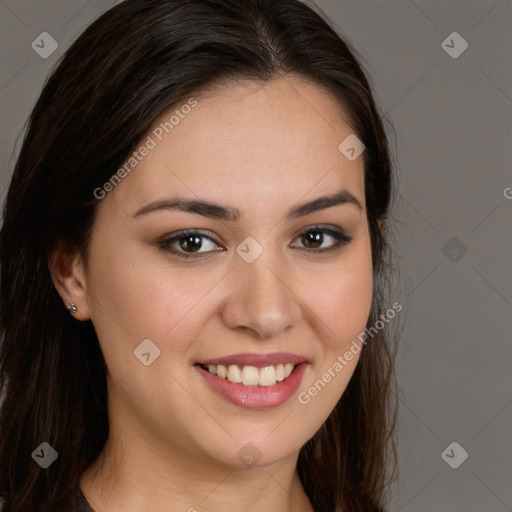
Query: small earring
x=72 y=308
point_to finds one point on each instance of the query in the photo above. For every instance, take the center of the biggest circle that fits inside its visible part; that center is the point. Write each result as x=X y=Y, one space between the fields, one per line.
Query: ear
x=68 y=274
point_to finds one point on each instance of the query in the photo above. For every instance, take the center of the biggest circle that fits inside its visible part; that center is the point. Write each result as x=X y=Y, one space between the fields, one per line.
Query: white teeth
x=268 y=376
x=222 y=371
x=234 y=373
x=250 y=375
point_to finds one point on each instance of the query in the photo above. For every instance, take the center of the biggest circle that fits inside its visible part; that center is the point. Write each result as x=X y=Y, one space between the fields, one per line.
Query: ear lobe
x=68 y=276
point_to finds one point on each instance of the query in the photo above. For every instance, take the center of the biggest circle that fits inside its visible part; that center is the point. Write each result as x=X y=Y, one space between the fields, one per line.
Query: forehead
x=251 y=142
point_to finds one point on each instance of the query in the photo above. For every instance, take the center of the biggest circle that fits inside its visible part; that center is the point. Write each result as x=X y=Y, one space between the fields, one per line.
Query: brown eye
x=314 y=238
x=189 y=244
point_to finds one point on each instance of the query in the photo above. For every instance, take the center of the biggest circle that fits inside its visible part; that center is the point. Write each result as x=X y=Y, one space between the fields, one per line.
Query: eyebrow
x=229 y=213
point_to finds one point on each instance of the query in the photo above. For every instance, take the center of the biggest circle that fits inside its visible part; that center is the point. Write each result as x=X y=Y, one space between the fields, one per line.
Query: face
x=263 y=285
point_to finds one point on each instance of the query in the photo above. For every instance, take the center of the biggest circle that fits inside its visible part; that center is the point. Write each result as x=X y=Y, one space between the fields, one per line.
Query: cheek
x=341 y=301
x=137 y=297
x=341 y=304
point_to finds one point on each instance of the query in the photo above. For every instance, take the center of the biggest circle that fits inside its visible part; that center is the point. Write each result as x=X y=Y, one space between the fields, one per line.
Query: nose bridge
x=260 y=297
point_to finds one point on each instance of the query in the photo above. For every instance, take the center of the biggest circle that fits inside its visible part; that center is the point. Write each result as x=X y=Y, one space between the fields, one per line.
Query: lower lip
x=255 y=397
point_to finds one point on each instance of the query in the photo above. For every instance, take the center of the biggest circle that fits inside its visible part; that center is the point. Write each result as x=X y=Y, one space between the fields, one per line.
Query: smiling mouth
x=247 y=375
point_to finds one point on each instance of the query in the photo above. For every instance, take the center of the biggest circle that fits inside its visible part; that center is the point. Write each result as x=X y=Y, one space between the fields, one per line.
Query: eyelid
x=327 y=228
x=192 y=231
x=166 y=242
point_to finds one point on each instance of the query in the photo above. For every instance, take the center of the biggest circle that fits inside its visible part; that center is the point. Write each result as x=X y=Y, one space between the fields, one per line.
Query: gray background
x=453 y=119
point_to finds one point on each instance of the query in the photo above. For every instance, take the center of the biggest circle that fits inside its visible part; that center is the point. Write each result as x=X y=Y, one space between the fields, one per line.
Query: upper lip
x=257 y=360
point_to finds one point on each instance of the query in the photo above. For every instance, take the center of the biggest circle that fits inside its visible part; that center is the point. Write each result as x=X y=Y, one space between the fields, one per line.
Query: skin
x=173 y=440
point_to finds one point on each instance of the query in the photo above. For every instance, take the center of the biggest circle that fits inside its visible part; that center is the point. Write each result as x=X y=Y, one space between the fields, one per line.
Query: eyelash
x=340 y=240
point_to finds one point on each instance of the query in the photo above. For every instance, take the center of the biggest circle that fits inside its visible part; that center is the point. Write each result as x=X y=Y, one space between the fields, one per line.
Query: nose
x=261 y=298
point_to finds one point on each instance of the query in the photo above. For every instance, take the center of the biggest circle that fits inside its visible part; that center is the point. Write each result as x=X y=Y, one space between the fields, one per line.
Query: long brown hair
x=137 y=60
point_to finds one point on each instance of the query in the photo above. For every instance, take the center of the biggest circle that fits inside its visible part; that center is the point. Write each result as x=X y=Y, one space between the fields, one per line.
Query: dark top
x=83 y=505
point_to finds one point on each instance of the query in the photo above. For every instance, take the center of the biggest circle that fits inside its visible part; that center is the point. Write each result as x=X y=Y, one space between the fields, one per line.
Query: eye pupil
x=313 y=237
x=191 y=242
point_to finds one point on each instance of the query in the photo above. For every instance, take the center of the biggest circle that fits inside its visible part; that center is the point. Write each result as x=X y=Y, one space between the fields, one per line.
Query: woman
x=194 y=270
